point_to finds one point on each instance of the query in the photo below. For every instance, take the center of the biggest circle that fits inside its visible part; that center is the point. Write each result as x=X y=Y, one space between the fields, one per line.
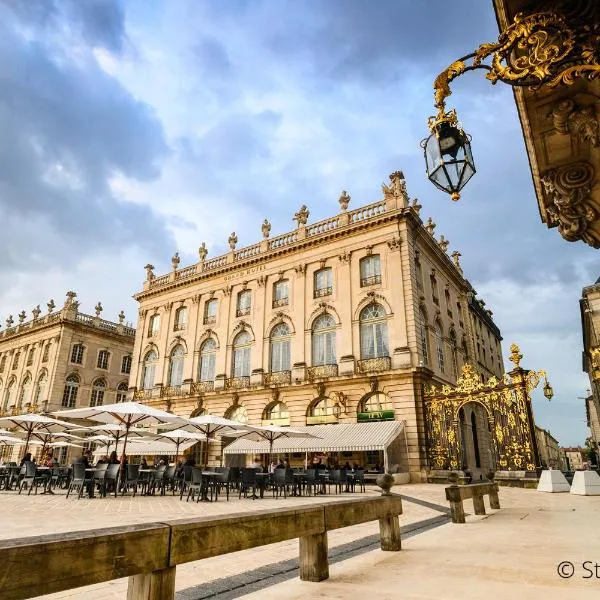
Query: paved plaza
x=513 y=552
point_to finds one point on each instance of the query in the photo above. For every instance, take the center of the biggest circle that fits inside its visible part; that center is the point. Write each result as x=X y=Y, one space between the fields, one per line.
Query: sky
x=132 y=130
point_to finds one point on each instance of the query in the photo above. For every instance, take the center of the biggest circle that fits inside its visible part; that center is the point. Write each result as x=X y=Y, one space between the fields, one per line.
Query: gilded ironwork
x=278 y=378
x=506 y=402
x=321 y=372
x=235 y=383
x=199 y=387
x=374 y=365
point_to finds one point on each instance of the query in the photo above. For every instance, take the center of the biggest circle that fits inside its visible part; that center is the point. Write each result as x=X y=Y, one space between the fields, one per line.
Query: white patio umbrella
x=179 y=435
x=270 y=433
x=7 y=440
x=210 y=425
x=30 y=424
x=128 y=414
x=112 y=432
x=64 y=445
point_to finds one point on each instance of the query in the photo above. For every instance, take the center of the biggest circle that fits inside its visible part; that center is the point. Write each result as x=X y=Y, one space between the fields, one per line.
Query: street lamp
x=548 y=391
x=448 y=154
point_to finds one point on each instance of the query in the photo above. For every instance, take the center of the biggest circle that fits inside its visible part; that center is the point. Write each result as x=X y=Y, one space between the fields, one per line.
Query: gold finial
x=515 y=355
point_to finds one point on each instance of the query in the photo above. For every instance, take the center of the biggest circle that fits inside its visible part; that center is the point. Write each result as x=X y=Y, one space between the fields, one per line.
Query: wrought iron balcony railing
x=321 y=372
x=242 y=312
x=281 y=302
x=278 y=378
x=374 y=365
x=325 y=291
x=210 y=320
x=142 y=394
x=199 y=387
x=235 y=383
x=373 y=280
x=168 y=391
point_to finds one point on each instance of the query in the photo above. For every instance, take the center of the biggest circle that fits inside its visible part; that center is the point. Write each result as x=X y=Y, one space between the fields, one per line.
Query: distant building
x=551 y=455
x=576 y=458
x=339 y=321
x=63 y=359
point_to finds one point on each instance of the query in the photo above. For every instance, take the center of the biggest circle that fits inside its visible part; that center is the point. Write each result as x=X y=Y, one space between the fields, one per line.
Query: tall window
x=176 y=366
x=122 y=392
x=148 y=371
x=40 y=389
x=280 y=348
x=2 y=363
x=277 y=412
x=323 y=282
x=237 y=413
x=419 y=273
x=9 y=395
x=30 y=355
x=370 y=270
x=241 y=354
x=244 y=303
x=424 y=337
x=126 y=364
x=453 y=356
x=181 y=319
x=210 y=311
x=103 y=359
x=98 y=389
x=70 y=392
x=208 y=356
x=324 y=407
x=448 y=303
x=323 y=341
x=16 y=359
x=153 y=325
x=434 y=289
x=459 y=313
x=373 y=332
x=376 y=402
x=281 y=293
x=77 y=354
x=25 y=396
x=439 y=345
x=46 y=353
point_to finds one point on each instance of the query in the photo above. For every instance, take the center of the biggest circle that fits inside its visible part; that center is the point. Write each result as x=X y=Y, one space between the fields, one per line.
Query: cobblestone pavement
x=31 y=515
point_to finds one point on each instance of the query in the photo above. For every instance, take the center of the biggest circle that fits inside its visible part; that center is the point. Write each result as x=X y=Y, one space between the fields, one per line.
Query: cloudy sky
x=130 y=130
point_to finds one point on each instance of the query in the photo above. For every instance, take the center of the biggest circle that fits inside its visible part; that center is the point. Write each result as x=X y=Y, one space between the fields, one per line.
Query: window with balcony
x=280 y=348
x=16 y=359
x=10 y=394
x=46 y=352
x=77 y=354
x=373 y=332
x=126 y=364
x=370 y=270
x=208 y=357
x=244 y=303
x=434 y=289
x=103 y=357
x=25 y=395
x=424 y=337
x=181 y=319
x=122 y=392
x=69 y=398
x=149 y=369
x=439 y=346
x=40 y=389
x=323 y=341
x=30 y=356
x=97 y=395
x=210 y=311
x=176 y=360
x=281 y=293
x=153 y=325
x=242 y=345
x=323 y=282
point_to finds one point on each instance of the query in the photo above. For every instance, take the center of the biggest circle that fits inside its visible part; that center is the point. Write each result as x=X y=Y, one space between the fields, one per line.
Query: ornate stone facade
x=365 y=306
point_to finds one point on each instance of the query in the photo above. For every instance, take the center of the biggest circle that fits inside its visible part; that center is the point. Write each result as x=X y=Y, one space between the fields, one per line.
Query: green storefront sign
x=376 y=415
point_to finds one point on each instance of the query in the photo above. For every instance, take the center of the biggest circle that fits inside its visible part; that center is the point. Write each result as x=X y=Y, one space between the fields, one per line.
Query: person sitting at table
x=257 y=466
x=189 y=461
x=26 y=458
x=319 y=466
x=113 y=459
x=103 y=460
x=85 y=460
x=347 y=466
x=50 y=461
x=144 y=464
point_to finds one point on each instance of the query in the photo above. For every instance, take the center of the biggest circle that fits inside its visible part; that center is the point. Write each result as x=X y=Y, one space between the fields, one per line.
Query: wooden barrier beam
x=455 y=494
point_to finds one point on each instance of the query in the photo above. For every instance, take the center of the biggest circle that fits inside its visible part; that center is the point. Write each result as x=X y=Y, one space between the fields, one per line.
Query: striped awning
x=339 y=437
x=145 y=448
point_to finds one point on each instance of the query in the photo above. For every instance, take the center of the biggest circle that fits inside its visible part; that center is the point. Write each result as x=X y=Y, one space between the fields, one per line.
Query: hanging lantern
x=548 y=391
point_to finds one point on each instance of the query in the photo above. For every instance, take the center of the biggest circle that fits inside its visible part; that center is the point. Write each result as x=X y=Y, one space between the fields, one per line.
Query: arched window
x=322 y=410
x=241 y=354
x=148 y=370
x=373 y=332
x=98 y=389
x=70 y=392
x=280 y=348
x=323 y=341
x=424 y=337
x=276 y=413
x=376 y=407
x=453 y=356
x=176 y=366
x=9 y=395
x=40 y=389
x=439 y=345
x=122 y=392
x=237 y=413
x=370 y=270
x=25 y=395
x=208 y=356
x=181 y=318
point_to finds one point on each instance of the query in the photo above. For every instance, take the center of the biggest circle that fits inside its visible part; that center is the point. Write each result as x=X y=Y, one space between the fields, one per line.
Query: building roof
x=340 y=437
x=145 y=448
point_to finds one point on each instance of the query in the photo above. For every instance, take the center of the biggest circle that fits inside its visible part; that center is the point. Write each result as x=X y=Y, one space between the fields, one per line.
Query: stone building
x=551 y=455
x=63 y=359
x=576 y=458
x=340 y=321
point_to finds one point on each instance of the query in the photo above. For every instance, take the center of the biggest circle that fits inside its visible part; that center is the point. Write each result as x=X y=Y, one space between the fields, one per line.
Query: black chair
x=359 y=480
x=99 y=476
x=111 y=480
x=80 y=480
x=222 y=480
x=185 y=480
x=337 y=478
x=195 y=485
x=311 y=481
x=248 y=481
x=31 y=478
x=132 y=479
x=167 y=480
x=279 y=482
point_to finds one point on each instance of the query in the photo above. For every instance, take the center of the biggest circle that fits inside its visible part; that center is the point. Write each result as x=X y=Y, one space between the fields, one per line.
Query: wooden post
x=478 y=503
x=314 y=564
x=457 y=511
x=389 y=531
x=157 y=585
x=494 y=500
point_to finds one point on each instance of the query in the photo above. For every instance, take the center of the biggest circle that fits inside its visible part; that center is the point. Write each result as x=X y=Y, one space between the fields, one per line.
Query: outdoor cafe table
x=262 y=479
x=148 y=478
x=46 y=472
x=207 y=477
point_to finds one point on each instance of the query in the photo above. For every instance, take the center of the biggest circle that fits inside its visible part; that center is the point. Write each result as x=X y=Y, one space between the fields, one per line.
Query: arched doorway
x=476 y=445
